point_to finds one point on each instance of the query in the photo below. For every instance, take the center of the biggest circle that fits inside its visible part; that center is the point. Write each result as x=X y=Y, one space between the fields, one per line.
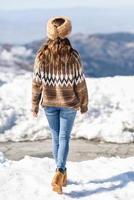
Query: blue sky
x=37 y=4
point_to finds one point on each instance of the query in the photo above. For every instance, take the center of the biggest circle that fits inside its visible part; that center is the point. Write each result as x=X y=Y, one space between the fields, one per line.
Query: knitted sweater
x=62 y=86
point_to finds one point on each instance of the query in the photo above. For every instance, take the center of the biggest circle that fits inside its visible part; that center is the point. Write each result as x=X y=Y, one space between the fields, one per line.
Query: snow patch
x=110 y=116
x=31 y=177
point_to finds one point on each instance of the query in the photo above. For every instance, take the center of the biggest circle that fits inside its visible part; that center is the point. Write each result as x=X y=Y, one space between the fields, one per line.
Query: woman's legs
x=60 y=121
x=52 y=115
x=67 y=116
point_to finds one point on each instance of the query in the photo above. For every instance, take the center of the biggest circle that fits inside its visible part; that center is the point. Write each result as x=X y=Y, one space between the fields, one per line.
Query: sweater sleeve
x=80 y=85
x=36 y=86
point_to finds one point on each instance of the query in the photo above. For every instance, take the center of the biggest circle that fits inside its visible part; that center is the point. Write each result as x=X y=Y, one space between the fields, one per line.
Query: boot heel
x=65 y=179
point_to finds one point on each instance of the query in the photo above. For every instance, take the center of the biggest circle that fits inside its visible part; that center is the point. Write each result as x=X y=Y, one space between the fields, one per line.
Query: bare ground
x=80 y=149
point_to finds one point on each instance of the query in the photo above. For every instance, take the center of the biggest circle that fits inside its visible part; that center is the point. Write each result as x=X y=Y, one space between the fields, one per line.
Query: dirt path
x=80 y=149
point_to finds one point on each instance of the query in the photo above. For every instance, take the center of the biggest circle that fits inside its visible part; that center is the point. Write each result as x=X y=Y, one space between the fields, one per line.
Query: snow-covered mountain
x=111 y=101
x=102 y=54
x=15 y=57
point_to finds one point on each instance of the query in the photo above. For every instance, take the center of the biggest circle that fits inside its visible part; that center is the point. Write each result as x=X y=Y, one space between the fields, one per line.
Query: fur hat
x=62 y=30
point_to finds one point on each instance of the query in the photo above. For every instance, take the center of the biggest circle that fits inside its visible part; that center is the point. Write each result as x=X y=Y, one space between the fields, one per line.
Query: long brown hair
x=56 y=51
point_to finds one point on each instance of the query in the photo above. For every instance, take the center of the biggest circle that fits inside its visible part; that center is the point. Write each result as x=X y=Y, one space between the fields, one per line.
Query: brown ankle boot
x=64 y=178
x=54 y=178
x=57 y=181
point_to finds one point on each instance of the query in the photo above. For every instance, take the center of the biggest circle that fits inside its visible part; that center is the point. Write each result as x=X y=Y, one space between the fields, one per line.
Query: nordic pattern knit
x=62 y=86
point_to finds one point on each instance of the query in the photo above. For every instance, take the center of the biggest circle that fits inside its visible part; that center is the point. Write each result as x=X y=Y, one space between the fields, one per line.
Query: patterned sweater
x=61 y=86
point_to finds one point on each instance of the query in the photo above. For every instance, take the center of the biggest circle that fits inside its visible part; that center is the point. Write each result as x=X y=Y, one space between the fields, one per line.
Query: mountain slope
x=102 y=54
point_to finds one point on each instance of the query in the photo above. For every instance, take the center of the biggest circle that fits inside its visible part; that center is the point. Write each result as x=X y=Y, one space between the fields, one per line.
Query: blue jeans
x=60 y=120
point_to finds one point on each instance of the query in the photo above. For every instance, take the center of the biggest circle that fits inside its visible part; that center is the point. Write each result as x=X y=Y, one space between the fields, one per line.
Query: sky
x=37 y=4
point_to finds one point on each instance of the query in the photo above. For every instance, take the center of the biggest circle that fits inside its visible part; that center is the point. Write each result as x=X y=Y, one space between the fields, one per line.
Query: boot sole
x=57 y=188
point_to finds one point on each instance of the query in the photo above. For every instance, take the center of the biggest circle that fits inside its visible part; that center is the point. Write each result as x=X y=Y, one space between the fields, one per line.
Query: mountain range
x=102 y=54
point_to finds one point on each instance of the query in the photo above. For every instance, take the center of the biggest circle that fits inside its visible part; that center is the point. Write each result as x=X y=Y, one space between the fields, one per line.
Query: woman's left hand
x=35 y=114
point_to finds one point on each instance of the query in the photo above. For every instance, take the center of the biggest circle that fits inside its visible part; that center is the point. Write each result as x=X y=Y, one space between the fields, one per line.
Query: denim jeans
x=60 y=120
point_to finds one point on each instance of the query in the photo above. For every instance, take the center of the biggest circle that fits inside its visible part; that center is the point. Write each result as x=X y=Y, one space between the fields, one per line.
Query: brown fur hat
x=62 y=30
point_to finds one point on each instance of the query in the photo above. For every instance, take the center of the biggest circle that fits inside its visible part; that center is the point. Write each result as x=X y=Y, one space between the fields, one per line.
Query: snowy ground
x=30 y=178
x=110 y=116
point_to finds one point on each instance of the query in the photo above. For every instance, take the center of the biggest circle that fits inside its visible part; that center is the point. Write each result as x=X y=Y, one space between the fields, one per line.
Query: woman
x=59 y=85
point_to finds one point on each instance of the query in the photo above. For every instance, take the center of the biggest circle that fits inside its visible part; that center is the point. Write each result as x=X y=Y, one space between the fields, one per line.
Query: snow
x=110 y=116
x=15 y=57
x=21 y=51
x=14 y=53
x=30 y=177
x=5 y=55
